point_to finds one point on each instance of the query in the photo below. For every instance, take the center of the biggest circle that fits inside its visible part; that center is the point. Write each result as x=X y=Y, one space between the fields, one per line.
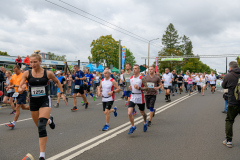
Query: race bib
x=97 y=81
x=150 y=85
x=203 y=82
x=77 y=86
x=87 y=79
x=136 y=98
x=212 y=82
x=38 y=91
x=15 y=94
x=128 y=80
x=190 y=82
x=165 y=86
x=179 y=81
x=9 y=91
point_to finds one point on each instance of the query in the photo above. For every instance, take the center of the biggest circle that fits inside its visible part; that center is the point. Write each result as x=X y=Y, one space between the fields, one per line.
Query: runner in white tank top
x=137 y=85
x=108 y=94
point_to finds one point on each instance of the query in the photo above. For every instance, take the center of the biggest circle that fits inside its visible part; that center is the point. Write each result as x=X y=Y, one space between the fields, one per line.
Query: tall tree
x=4 y=53
x=129 y=57
x=53 y=56
x=171 y=38
x=105 y=48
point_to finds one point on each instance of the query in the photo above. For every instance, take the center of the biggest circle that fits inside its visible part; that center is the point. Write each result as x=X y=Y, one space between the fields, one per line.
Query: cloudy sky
x=27 y=25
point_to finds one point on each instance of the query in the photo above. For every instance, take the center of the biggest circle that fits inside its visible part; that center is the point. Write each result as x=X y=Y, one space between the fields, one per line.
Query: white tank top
x=107 y=87
x=97 y=79
x=137 y=96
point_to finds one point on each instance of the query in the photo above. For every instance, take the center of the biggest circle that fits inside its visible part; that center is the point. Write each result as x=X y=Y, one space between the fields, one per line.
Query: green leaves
x=4 y=53
x=129 y=57
x=52 y=56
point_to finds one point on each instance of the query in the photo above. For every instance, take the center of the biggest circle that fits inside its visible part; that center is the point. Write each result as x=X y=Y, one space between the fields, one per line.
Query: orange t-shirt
x=15 y=80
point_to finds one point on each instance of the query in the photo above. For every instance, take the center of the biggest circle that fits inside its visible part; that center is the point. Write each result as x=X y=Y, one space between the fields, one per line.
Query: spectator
x=1 y=80
x=230 y=81
x=26 y=61
x=53 y=69
x=18 y=61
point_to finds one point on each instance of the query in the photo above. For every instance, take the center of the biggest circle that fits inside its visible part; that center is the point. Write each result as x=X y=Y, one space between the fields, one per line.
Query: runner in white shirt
x=207 y=80
x=137 y=85
x=185 y=77
x=108 y=94
x=194 y=75
x=197 y=78
x=212 y=79
x=121 y=83
x=167 y=83
x=203 y=83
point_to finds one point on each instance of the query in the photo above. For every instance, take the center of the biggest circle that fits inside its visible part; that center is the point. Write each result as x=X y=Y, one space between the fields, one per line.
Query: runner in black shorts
x=40 y=101
x=180 y=82
x=151 y=94
x=168 y=79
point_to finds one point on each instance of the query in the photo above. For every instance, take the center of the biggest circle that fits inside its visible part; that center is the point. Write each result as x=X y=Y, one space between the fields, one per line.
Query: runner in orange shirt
x=20 y=94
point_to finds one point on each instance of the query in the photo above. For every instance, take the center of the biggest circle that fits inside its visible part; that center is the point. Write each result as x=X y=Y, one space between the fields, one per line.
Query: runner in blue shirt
x=61 y=80
x=78 y=76
x=88 y=83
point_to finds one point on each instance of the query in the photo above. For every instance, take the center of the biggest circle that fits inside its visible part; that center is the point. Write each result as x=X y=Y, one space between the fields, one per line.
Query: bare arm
x=99 y=89
x=145 y=88
x=23 y=80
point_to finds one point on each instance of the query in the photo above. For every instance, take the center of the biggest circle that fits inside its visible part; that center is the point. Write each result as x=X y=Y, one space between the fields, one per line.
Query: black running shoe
x=66 y=99
x=149 y=123
x=41 y=158
x=52 y=125
x=86 y=105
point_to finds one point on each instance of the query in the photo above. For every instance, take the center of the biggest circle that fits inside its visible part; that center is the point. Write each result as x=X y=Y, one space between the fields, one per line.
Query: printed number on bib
x=190 y=82
x=38 y=91
x=9 y=91
x=150 y=85
x=15 y=94
x=128 y=80
x=77 y=86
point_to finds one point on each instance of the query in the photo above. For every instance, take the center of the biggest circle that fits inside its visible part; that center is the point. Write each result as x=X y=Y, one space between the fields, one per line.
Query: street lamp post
x=149 y=48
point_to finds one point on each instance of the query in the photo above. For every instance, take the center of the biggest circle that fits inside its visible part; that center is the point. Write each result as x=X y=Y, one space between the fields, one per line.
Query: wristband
x=113 y=91
x=139 y=88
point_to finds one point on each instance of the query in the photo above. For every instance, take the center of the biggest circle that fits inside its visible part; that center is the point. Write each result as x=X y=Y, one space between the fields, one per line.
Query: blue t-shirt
x=78 y=74
x=89 y=78
x=61 y=79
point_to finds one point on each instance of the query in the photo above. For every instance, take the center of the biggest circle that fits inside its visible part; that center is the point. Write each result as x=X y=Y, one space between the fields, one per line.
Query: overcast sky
x=27 y=25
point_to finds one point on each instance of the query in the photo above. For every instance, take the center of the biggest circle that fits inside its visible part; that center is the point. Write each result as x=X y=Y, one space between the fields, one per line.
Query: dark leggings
x=199 y=88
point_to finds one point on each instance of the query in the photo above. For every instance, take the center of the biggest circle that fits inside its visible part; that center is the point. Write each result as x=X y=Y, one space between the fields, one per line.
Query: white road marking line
x=98 y=104
x=18 y=121
x=136 y=121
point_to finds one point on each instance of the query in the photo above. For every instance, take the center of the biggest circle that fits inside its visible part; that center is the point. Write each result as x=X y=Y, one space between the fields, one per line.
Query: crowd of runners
x=138 y=89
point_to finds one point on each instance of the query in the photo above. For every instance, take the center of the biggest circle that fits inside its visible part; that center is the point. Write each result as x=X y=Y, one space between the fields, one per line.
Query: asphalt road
x=188 y=128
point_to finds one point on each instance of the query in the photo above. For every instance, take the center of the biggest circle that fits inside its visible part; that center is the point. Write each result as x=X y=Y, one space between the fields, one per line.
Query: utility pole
x=226 y=65
x=149 y=49
x=119 y=63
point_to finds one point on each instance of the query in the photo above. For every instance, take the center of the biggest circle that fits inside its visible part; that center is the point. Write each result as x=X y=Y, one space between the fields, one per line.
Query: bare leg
x=130 y=116
x=18 y=106
x=144 y=116
x=84 y=98
x=107 y=113
x=74 y=99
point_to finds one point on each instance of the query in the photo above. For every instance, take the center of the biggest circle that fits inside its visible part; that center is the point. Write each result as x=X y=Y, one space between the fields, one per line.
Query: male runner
x=137 y=85
x=79 y=76
x=154 y=84
x=167 y=79
x=212 y=78
x=122 y=84
x=61 y=80
x=21 y=97
x=108 y=95
x=88 y=83
x=126 y=76
x=174 y=83
x=185 y=77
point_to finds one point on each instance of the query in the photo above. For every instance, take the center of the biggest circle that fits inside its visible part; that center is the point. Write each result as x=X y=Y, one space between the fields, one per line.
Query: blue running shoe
x=132 y=129
x=115 y=111
x=105 y=128
x=145 y=127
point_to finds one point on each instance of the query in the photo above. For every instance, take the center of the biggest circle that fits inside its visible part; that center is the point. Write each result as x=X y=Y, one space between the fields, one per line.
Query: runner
x=108 y=95
x=174 y=83
x=212 y=78
x=151 y=94
x=8 y=99
x=167 y=79
x=190 y=84
x=61 y=80
x=97 y=82
x=122 y=84
x=185 y=77
x=88 y=83
x=203 y=83
x=40 y=102
x=79 y=76
x=207 y=80
x=20 y=93
x=194 y=75
x=137 y=85
x=126 y=76
x=198 y=82
x=180 y=82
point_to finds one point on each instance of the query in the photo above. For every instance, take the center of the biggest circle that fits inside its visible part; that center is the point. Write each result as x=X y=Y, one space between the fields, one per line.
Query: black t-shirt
x=180 y=79
x=175 y=78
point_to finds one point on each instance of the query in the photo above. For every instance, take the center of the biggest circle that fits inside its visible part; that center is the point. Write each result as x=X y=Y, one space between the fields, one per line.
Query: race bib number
x=15 y=94
x=77 y=86
x=97 y=81
x=165 y=86
x=87 y=79
x=190 y=82
x=9 y=91
x=38 y=91
x=212 y=82
x=136 y=98
x=179 y=81
x=128 y=80
x=150 y=85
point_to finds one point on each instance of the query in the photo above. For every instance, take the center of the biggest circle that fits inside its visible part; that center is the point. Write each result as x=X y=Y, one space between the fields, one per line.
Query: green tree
x=105 y=48
x=171 y=38
x=4 y=53
x=129 y=57
x=53 y=56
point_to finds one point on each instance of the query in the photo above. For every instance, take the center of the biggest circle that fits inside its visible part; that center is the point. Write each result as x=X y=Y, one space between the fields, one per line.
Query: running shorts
x=150 y=100
x=21 y=99
x=107 y=105
x=81 y=91
x=39 y=102
x=212 y=85
x=140 y=106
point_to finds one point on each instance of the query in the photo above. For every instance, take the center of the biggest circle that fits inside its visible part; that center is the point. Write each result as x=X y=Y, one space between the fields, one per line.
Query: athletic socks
x=50 y=121
x=91 y=94
x=42 y=154
x=14 y=122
